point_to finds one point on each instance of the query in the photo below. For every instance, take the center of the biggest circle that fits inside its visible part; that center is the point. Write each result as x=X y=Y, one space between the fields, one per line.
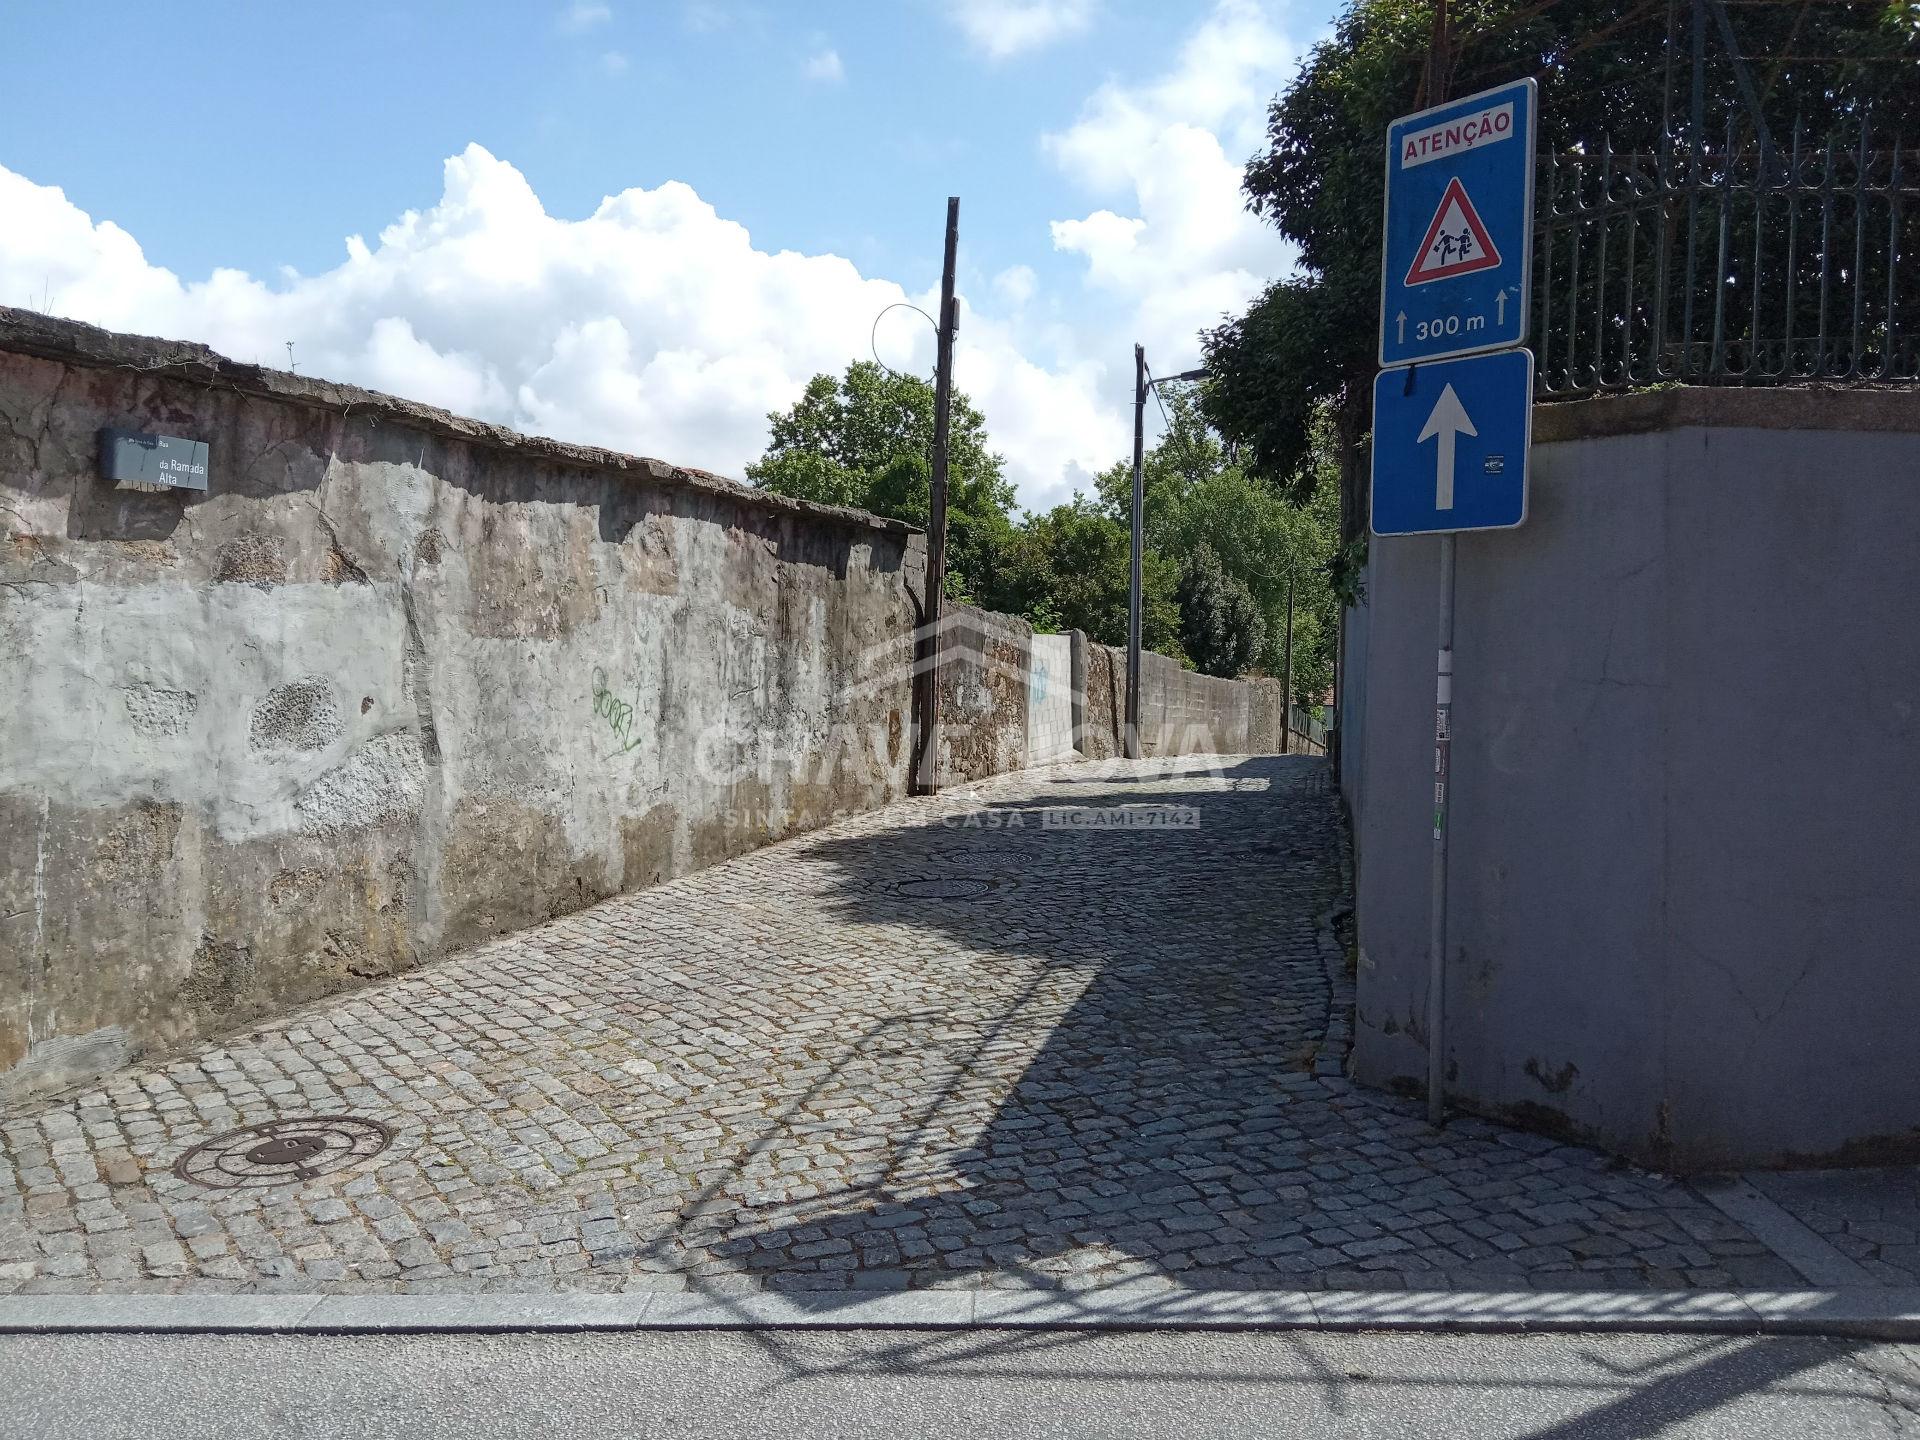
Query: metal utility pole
x=1135 y=598
x=926 y=777
x=1286 y=683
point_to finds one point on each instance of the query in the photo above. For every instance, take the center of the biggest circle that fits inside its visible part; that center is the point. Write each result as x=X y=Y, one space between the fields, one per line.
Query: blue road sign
x=1450 y=445
x=1458 y=227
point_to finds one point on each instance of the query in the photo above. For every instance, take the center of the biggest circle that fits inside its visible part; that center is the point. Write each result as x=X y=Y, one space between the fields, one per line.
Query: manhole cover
x=948 y=887
x=278 y=1151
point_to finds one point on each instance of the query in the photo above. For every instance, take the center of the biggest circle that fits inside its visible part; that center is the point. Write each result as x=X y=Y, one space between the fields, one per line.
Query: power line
x=873 y=335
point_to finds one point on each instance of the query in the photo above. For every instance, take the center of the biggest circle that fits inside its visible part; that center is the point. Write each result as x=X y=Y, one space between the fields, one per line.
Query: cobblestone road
x=943 y=1044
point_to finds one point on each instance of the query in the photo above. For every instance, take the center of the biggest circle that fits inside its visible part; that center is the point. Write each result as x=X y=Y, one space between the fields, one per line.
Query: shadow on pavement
x=1105 y=1072
x=1148 y=1131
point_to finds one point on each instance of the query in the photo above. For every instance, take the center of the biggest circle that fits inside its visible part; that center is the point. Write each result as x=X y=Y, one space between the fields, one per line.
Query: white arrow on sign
x=1447 y=422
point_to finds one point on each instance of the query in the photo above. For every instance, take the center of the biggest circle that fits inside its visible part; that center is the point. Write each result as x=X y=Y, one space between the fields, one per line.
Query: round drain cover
x=946 y=887
x=276 y=1152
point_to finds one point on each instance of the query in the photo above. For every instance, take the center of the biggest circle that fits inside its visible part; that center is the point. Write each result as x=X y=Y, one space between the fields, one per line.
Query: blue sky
x=1094 y=143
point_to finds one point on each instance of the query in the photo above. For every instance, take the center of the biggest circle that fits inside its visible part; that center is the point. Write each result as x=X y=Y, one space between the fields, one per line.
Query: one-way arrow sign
x=1449 y=419
x=1450 y=443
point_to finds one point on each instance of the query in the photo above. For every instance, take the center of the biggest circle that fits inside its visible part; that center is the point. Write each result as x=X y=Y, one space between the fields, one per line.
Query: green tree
x=1221 y=627
x=866 y=440
x=1069 y=569
x=1196 y=492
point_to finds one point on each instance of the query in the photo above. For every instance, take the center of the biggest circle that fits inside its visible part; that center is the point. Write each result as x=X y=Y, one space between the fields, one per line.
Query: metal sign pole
x=1136 y=600
x=1455 y=274
x=1437 y=938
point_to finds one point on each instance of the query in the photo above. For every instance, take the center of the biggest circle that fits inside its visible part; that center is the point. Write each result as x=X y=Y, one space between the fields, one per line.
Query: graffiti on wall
x=613 y=712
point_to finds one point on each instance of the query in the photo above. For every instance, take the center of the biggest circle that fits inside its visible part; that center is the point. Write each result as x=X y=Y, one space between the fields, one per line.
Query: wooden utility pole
x=1134 y=597
x=926 y=768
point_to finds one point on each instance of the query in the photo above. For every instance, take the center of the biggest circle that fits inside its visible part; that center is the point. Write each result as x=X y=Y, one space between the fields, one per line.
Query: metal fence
x=1737 y=263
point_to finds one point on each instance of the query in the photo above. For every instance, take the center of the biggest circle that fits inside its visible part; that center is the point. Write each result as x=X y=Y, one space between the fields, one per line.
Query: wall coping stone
x=1760 y=407
x=47 y=337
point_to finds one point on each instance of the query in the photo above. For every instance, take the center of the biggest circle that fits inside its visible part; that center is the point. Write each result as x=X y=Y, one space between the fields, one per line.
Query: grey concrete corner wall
x=1351 y=701
x=1686 y=877
x=396 y=682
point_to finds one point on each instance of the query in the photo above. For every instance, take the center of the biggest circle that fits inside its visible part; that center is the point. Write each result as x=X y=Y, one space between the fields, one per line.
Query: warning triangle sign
x=1456 y=244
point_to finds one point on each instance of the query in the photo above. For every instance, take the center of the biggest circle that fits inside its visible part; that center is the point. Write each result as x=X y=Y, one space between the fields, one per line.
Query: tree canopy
x=1196 y=492
x=1221 y=546
x=866 y=440
x=1308 y=341
x=1068 y=568
x=1221 y=627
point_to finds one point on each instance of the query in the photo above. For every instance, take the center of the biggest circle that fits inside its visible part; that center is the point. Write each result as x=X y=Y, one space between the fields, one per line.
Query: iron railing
x=1743 y=263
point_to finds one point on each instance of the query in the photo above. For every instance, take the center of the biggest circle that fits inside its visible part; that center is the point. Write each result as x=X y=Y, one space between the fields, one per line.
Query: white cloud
x=613 y=62
x=652 y=325
x=1016 y=285
x=584 y=15
x=1003 y=28
x=1171 y=150
x=824 y=66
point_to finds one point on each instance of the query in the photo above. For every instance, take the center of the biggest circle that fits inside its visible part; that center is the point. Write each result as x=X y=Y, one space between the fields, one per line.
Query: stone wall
x=1182 y=712
x=395 y=683
x=1685 y=878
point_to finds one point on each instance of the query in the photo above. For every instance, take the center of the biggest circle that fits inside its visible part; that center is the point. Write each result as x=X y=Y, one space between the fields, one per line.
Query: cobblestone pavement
x=941 y=1044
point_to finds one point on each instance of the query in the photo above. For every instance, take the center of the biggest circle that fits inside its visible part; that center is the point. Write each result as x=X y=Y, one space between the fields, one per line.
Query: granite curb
x=1881 y=1313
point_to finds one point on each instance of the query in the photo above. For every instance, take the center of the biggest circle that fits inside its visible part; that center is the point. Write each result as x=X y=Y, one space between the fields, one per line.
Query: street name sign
x=1458 y=227
x=153 y=462
x=1451 y=443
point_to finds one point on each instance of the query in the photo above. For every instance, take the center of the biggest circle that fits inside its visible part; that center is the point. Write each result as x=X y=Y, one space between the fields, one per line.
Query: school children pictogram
x=1457 y=242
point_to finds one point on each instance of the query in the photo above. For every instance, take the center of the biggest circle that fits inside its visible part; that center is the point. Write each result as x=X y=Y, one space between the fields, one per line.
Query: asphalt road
x=982 y=1384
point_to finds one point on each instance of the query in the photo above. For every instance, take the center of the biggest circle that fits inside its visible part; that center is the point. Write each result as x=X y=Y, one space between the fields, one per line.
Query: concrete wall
x=395 y=683
x=1050 y=701
x=1686 y=878
x=1351 y=705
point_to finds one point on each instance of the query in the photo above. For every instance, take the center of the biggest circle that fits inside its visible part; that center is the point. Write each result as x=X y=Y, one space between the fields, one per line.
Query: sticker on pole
x=1457 y=227
x=1456 y=244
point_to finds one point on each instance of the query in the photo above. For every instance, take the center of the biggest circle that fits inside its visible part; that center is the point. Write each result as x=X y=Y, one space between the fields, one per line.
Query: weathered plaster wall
x=1685 y=877
x=399 y=681
x=396 y=683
